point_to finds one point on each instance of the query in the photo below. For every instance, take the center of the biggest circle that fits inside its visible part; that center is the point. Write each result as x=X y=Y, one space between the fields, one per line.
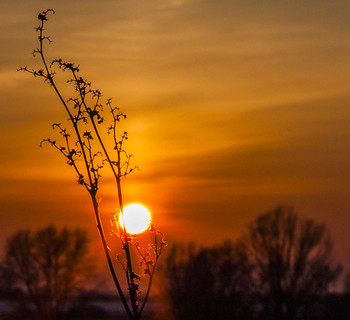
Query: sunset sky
x=234 y=107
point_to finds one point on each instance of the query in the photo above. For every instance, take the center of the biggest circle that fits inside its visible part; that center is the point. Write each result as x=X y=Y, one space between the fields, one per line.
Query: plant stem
x=109 y=260
x=93 y=188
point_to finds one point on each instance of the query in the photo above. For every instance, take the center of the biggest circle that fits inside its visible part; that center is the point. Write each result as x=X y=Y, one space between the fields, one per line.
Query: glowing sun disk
x=136 y=218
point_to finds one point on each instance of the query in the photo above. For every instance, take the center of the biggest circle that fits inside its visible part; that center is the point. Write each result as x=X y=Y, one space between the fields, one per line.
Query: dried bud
x=42 y=17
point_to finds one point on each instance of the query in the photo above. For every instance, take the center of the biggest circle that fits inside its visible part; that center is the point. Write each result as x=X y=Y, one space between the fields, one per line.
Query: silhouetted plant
x=293 y=261
x=50 y=265
x=86 y=150
x=209 y=283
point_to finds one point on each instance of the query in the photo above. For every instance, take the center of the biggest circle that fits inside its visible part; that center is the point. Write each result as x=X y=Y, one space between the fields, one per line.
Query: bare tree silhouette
x=293 y=261
x=209 y=283
x=49 y=265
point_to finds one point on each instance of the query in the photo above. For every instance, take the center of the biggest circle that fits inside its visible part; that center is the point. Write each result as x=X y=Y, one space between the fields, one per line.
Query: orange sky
x=234 y=107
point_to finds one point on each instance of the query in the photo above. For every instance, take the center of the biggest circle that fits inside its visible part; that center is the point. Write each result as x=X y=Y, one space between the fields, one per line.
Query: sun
x=136 y=218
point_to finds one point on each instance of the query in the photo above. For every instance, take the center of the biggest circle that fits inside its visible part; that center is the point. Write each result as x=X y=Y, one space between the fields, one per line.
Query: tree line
x=280 y=268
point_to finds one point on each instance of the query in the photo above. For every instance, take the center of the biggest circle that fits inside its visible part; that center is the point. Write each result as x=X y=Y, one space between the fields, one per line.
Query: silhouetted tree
x=293 y=261
x=209 y=283
x=49 y=265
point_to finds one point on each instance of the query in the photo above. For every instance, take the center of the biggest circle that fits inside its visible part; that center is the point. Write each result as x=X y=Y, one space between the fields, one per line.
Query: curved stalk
x=109 y=260
x=117 y=175
x=93 y=189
